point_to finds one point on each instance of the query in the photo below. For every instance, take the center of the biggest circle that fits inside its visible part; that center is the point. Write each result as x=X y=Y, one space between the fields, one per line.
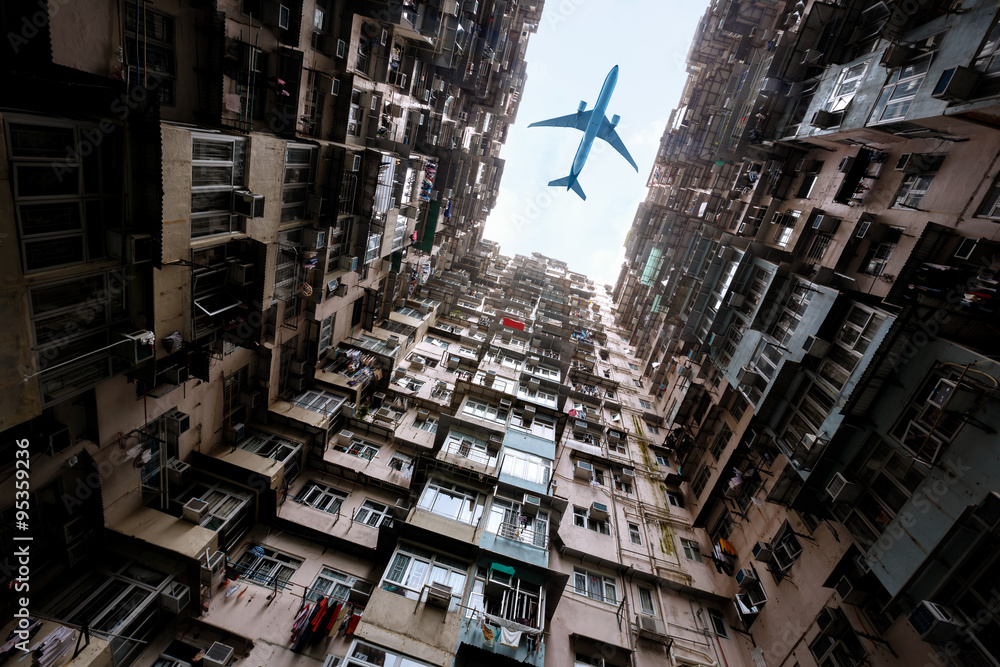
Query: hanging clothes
x=489 y=635
x=510 y=638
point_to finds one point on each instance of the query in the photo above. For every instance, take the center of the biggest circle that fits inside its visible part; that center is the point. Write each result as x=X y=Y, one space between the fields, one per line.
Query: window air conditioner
x=313 y=239
x=178 y=472
x=240 y=273
x=650 y=625
x=218 y=655
x=826 y=119
x=736 y=300
x=849 y=593
x=248 y=204
x=297 y=382
x=194 y=510
x=627 y=474
x=175 y=375
x=762 y=551
x=504 y=403
x=815 y=347
x=935 y=624
x=840 y=490
x=583 y=470
x=529 y=413
x=348 y=263
x=599 y=511
x=749 y=377
x=177 y=422
x=297 y=367
x=138 y=346
x=236 y=433
x=314 y=206
x=530 y=505
x=344 y=438
x=956 y=84
x=132 y=248
x=745 y=577
x=174 y=597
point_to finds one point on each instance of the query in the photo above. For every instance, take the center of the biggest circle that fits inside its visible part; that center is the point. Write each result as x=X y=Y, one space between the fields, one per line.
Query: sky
x=577 y=44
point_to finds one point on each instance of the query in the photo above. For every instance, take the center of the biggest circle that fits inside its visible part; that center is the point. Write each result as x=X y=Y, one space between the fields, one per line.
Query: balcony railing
x=464 y=450
x=519 y=533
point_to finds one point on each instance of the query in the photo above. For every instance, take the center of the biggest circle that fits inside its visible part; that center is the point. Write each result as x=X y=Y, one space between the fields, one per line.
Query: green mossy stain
x=647 y=458
x=666 y=539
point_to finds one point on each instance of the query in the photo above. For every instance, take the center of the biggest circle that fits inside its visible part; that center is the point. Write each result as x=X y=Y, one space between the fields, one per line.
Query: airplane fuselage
x=594 y=125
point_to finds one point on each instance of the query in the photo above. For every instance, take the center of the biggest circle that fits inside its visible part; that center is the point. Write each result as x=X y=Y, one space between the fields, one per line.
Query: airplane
x=593 y=124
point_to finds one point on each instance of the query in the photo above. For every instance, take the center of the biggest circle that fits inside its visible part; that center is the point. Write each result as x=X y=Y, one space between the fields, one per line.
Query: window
x=662 y=460
x=675 y=499
x=362 y=449
x=723 y=527
x=266 y=566
x=355 y=115
x=785 y=550
x=429 y=424
x=485 y=411
x=691 y=550
x=653 y=430
x=326 y=333
x=597 y=476
x=507 y=520
x=633 y=366
x=646 y=604
x=150 y=35
x=300 y=173
x=413 y=567
x=634 y=534
x=847 y=85
x=526 y=466
x=367 y=655
x=595 y=586
x=59 y=197
x=898 y=94
x=609 y=394
x=218 y=169
x=436 y=341
x=372 y=513
x=637 y=383
x=718 y=623
x=452 y=501
x=720 y=442
x=990 y=206
x=322 y=497
x=623 y=485
x=850 y=344
x=700 y=480
x=507 y=597
x=582 y=519
x=330 y=583
x=912 y=191
x=401 y=462
x=645 y=404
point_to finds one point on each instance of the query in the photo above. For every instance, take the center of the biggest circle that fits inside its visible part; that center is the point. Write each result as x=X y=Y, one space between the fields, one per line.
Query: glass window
x=646 y=604
x=526 y=466
x=451 y=501
x=718 y=623
x=595 y=586
x=266 y=566
x=691 y=550
x=322 y=497
x=675 y=499
x=582 y=518
x=330 y=583
x=413 y=567
x=634 y=534
x=372 y=513
x=898 y=94
x=218 y=169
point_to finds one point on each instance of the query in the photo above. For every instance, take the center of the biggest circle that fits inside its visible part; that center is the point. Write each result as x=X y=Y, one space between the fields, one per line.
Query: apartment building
x=808 y=287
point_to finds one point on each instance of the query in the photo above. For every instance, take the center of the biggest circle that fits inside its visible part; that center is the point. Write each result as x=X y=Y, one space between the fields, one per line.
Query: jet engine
x=582 y=107
x=615 y=119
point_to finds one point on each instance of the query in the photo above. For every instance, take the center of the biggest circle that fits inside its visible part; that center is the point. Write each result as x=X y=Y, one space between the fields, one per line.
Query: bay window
x=452 y=501
x=218 y=169
x=526 y=466
x=413 y=567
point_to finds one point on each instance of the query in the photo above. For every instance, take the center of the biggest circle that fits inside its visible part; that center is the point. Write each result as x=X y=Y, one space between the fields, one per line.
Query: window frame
x=323 y=492
x=603 y=580
x=582 y=519
x=692 y=550
x=237 y=181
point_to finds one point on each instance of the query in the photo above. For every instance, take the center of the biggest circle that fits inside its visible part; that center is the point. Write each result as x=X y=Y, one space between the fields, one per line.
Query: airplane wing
x=578 y=120
x=607 y=132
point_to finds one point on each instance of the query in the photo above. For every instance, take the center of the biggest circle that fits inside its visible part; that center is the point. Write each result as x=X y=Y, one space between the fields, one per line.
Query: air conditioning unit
x=504 y=403
x=825 y=119
x=378 y=400
x=423 y=414
x=297 y=367
x=174 y=597
x=348 y=263
x=178 y=472
x=762 y=551
x=297 y=382
x=313 y=239
x=177 y=422
x=736 y=300
x=650 y=625
x=194 y=510
x=453 y=362
x=749 y=377
x=896 y=55
x=218 y=655
x=599 y=511
x=529 y=414
x=240 y=274
x=392 y=342
x=745 y=577
x=628 y=474
x=935 y=624
x=815 y=347
x=175 y=375
x=132 y=248
x=251 y=399
x=416 y=366
x=530 y=505
x=614 y=435
x=583 y=470
x=236 y=433
x=248 y=204
x=344 y=438
x=842 y=491
x=534 y=384
x=138 y=346
x=849 y=593
x=956 y=84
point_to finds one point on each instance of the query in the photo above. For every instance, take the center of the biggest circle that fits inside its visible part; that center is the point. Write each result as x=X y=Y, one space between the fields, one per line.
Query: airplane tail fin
x=564 y=182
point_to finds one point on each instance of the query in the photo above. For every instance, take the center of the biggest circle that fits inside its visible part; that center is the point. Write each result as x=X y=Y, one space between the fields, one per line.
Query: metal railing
x=519 y=533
